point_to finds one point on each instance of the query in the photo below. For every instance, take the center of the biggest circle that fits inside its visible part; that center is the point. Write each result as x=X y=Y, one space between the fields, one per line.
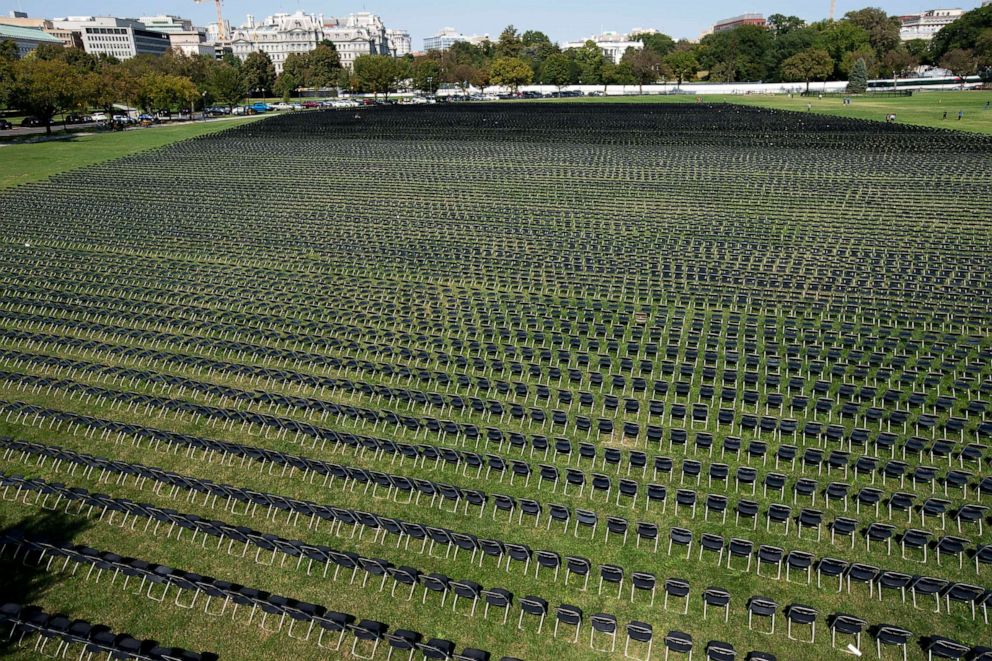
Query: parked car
x=239 y=110
x=74 y=118
x=311 y=104
x=32 y=121
x=100 y=117
x=5 y=125
x=259 y=107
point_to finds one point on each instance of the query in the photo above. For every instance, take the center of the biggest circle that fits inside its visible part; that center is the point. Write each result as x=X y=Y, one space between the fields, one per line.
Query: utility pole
x=833 y=9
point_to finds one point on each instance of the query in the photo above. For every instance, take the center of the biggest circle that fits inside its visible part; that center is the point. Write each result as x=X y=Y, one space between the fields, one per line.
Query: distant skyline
x=565 y=20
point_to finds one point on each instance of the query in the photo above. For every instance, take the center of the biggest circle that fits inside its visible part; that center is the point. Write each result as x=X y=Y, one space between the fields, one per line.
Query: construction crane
x=833 y=8
x=221 y=32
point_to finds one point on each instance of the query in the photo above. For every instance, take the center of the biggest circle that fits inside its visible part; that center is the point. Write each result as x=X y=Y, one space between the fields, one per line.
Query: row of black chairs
x=28 y=621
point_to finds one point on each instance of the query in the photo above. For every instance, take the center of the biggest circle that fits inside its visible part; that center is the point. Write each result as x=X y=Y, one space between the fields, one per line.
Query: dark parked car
x=32 y=121
x=73 y=118
x=5 y=125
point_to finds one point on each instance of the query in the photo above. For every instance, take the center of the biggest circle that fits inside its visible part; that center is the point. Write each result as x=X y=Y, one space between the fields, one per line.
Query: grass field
x=921 y=109
x=398 y=312
x=21 y=163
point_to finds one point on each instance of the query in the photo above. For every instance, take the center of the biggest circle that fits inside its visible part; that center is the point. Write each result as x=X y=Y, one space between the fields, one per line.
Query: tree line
x=863 y=44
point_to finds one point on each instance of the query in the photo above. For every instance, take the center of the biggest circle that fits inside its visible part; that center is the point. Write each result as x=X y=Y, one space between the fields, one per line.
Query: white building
x=122 y=38
x=927 y=24
x=26 y=39
x=400 y=43
x=612 y=44
x=357 y=34
x=183 y=36
x=448 y=37
x=279 y=35
x=167 y=23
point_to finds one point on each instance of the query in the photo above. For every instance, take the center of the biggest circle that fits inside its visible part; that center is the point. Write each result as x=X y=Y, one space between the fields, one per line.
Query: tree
x=918 y=48
x=8 y=55
x=226 y=84
x=426 y=75
x=559 y=70
x=682 y=63
x=43 y=88
x=960 y=62
x=323 y=65
x=812 y=64
x=293 y=76
x=864 y=53
x=464 y=75
x=744 y=53
x=510 y=72
x=858 y=81
x=510 y=44
x=882 y=29
x=781 y=25
x=258 y=73
x=962 y=33
x=840 y=37
x=590 y=61
x=157 y=91
x=660 y=44
x=900 y=61
x=645 y=65
x=378 y=73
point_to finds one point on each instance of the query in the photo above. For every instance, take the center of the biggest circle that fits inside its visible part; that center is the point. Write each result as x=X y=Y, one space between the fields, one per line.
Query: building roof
x=17 y=32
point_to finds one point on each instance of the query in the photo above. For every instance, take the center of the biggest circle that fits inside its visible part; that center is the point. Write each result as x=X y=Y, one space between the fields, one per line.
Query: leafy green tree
x=560 y=70
x=744 y=53
x=781 y=25
x=899 y=60
x=682 y=63
x=226 y=84
x=660 y=44
x=961 y=34
x=465 y=75
x=165 y=91
x=294 y=75
x=258 y=73
x=858 y=81
x=510 y=72
x=864 y=53
x=645 y=65
x=510 y=44
x=8 y=50
x=323 y=64
x=591 y=62
x=8 y=55
x=378 y=73
x=918 y=48
x=426 y=74
x=43 y=88
x=960 y=62
x=809 y=65
x=840 y=37
x=619 y=74
x=882 y=29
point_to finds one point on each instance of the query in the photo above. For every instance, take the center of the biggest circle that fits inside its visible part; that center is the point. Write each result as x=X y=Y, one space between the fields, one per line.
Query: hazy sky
x=563 y=20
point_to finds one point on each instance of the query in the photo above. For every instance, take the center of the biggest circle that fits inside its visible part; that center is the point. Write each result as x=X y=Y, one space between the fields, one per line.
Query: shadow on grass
x=22 y=579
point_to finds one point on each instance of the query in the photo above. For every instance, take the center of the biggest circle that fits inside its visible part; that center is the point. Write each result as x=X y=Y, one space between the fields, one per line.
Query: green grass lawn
x=21 y=163
x=922 y=109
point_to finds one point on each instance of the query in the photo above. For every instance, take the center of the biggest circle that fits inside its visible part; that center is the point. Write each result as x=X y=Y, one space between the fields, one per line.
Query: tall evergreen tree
x=858 y=82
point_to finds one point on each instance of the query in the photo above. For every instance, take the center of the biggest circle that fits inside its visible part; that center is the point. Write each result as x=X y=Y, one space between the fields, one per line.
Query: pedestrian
x=945 y=115
x=960 y=115
x=809 y=107
x=987 y=104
